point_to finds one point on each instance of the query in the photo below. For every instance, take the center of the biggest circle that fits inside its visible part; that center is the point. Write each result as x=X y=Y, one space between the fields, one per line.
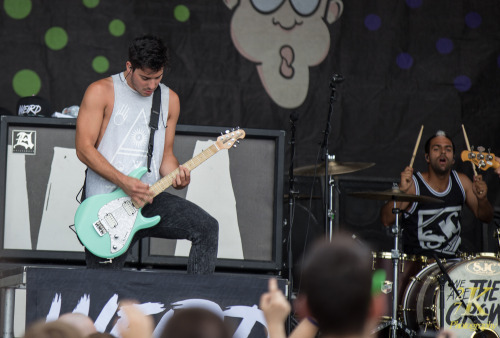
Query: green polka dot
x=90 y=3
x=26 y=83
x=116 y=27
x=17 y=9
x=100 y=64
x=56 y=38
x=181 y=13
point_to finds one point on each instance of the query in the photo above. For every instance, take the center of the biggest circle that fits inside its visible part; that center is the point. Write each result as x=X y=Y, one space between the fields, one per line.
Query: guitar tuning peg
x=227 y=131
x=235 y=146
x=481 y=149
x=238 y=141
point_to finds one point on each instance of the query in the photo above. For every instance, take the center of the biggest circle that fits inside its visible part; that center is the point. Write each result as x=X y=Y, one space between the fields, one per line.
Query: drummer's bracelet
x=312 y=321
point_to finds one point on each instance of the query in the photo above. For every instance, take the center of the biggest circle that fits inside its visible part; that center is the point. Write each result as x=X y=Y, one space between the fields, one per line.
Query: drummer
x=435 y=227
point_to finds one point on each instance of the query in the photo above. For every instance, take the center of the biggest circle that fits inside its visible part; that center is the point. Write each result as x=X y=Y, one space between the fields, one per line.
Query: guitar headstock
x=481 y=159
x=230 y=138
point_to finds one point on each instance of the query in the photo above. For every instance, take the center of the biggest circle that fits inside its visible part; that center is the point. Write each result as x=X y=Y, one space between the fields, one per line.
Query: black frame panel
x=39 y=168
x=251 y=141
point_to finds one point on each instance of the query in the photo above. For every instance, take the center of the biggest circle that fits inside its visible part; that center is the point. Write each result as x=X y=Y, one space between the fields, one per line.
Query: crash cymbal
x=334 y=168
x=395 y=195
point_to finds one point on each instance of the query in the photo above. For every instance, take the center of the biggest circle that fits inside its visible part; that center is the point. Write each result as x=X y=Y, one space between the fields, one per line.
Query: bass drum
x=478 y=282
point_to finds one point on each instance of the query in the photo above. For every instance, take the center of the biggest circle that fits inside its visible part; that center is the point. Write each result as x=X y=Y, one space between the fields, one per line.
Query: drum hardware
x=396 y=195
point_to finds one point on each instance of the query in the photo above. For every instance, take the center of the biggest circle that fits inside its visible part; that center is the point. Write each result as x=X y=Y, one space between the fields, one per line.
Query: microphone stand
x=329 y=181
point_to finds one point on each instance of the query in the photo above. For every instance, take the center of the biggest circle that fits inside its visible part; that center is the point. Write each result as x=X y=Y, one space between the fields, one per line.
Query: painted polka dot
x=181 y=13
x=100 y=64
x=404 y=61
x=373 y=22
x=414 y=3
x=26 y=83
x=17 y=9
x=117 y=27
x=444 y=45
x=462 y=83
x=90 y=3
x=473 y=19
x=56 y=38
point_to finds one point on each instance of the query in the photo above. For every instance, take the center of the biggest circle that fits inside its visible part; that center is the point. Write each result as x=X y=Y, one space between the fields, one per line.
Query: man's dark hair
x=148 y=51
x=336 y=280
x=438 y=133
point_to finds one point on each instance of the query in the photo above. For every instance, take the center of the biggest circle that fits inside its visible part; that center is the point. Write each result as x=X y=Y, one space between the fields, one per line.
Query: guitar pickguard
x=117 y=219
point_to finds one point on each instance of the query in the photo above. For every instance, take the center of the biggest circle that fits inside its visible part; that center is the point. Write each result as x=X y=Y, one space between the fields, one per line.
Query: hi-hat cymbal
x=395 y=195
x=334 y=168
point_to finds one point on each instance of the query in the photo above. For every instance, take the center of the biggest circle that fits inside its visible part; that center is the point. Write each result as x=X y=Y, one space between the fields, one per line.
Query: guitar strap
x=153 y=123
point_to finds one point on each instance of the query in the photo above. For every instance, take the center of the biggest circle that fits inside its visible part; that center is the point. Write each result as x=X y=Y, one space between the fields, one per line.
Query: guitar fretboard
x=166 y=181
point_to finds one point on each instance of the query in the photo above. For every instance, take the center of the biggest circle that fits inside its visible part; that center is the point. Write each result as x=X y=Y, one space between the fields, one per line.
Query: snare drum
x=478 y=282
x=408 y=266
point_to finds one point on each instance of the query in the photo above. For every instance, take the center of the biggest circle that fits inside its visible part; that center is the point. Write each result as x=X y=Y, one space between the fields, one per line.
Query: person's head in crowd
x=195 y=323
x=100 y=335
x=80 y=321
x=336 y=286
x=55 y=329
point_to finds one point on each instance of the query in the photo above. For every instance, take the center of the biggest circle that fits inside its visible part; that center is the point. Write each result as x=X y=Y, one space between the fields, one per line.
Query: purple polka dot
x=473 y=19
x=404 y=61
x=462 y=83
x=414 y=3
x=373 y=22
x=444 y=45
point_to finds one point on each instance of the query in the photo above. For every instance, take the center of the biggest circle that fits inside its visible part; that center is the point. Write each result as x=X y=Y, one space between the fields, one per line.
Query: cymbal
x=334 y=168
x=395 y=195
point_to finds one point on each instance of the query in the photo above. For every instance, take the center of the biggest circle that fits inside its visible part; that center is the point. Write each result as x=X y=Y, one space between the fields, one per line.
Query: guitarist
x=435 y=227
x=112 y=136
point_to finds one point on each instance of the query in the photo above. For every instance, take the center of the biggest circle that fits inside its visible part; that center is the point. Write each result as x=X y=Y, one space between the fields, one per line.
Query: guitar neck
x=166 y=181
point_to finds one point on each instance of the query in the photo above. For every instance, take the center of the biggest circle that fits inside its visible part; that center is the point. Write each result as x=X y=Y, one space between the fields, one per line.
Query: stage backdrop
x=405 y=63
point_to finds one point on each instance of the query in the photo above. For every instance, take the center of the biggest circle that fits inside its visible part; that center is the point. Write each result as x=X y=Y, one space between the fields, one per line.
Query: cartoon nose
x=285 y=16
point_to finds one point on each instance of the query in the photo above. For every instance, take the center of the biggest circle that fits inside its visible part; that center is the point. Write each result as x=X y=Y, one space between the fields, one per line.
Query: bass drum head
x=478 y=282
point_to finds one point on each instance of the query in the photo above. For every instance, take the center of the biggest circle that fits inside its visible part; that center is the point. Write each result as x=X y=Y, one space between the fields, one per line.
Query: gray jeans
x=180 y=219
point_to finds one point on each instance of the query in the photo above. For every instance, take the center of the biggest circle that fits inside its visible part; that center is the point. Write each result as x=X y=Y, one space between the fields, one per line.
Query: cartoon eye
x=266 y=6
x=305 y=7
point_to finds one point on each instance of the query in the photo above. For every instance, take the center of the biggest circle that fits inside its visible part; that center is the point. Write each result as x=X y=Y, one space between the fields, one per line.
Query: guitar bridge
x=99 y=228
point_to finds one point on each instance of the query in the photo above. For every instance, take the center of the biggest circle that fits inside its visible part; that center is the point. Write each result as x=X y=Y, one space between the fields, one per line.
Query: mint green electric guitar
x=106 y=223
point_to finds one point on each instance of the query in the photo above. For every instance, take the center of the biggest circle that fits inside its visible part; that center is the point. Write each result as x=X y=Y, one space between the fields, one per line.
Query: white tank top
x=125 y=141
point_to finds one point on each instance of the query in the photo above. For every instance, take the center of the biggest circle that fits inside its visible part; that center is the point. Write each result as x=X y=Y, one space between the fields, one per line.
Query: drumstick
x=468 y=148
x=416 y=146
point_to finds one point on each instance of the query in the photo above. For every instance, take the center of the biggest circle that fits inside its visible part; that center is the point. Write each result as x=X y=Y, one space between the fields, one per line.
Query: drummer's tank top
x=125 y=141
x=434 y=227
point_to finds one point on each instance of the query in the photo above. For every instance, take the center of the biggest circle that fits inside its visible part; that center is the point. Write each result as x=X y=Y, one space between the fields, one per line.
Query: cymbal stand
x=395 y=254
x=329 y=182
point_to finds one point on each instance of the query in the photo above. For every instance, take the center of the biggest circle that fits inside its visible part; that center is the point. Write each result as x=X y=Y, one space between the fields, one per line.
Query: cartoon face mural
x=284 y=38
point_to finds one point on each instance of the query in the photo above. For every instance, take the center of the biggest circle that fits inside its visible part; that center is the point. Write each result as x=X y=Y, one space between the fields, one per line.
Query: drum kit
x=461 y=295
x=428 y=294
